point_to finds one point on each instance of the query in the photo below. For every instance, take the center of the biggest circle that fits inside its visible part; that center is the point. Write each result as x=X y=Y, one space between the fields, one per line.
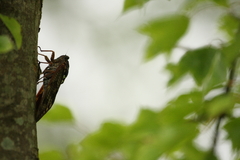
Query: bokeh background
x=108 y=78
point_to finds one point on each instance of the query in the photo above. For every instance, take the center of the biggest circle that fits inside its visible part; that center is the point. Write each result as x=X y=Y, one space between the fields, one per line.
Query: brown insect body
x=53 y=76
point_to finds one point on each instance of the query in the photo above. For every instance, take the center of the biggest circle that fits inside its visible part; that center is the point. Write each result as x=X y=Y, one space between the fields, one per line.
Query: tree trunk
x=18 y=76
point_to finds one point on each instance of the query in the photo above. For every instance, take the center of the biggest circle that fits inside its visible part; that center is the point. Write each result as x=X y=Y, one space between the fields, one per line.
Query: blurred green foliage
x=171 y=133
x=15 y=29
x=5 y=44
x=53 y=154
x=200 y=63
x=129 y=4
x=58 y=113
x=164 y=34
x=233 y=130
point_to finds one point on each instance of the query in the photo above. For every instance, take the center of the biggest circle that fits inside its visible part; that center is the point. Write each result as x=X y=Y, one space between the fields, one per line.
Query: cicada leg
x=46 y=58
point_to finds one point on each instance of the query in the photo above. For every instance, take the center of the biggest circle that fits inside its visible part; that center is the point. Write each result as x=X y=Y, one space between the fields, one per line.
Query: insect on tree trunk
x=18 y=77
x=53 y=76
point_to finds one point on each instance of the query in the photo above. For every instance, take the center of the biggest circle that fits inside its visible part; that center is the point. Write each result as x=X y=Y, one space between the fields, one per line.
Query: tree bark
x=18 y=76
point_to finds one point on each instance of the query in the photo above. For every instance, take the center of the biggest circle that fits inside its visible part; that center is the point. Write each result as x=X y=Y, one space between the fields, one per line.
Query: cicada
x=53 y=76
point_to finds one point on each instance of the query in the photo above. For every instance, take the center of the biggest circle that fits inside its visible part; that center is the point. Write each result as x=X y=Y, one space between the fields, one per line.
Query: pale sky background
x=108 y=79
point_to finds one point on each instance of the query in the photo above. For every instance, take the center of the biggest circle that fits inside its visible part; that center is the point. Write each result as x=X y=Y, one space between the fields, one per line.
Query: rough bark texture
x=18 y=76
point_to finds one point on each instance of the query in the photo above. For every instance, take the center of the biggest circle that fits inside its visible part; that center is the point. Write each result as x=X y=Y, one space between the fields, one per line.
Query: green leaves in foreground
x=129 y=4
x=14 y=27
x=229 y=24
x=167 y=133
x=151 y=135
x=164 y=33
x=219 y=105
x=193 y=5
x=205 y=65
x=58 y=113
x=233 y=131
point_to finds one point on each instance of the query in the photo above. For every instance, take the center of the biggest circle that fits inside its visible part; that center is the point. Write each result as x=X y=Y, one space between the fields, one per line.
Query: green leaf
x=59 y=113
x=210 y=156
x=192 y=5
x=163 y=33
x=143 y=130
x=196 y=62
x=190 y=152
x=156 y=133
x=73 y=151
x=229 y=24
x=14 y=27
x=236 y=84
x=53 y=155
x=168 y=138
x=106 y=137
x=5 y=44
x=103 y=143
x=178 y=109
x=219 y=105
x=217 y=74
x=221 y=2
x=231 y=50
x=129 y=4
x=142 y=123
x=233 y=131
x=177 y=73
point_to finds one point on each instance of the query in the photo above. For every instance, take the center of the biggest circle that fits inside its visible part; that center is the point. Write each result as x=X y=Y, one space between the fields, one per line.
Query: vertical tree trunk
x=18 y=76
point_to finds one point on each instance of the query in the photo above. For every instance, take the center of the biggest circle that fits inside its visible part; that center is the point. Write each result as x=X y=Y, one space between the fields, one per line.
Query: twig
x=220 y=118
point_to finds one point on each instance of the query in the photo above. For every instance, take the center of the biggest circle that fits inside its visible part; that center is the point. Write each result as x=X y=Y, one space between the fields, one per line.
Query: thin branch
x=220 y=118
x=216 y=133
